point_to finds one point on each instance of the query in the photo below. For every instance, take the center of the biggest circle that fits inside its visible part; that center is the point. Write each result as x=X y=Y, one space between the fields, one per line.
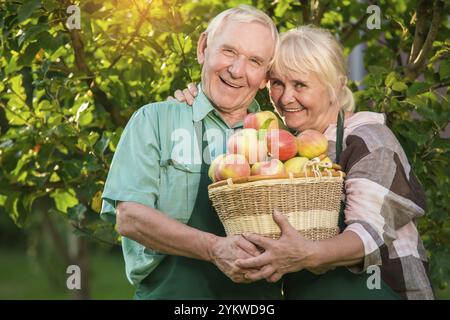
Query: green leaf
x=29 y=198
x=282 y=7
x=101 y=145
x=30 y=52
x=71 y=169
x=444 y=70
x=377 y=69
x=64 y=199
x=417 y=87
x=27 y=9
x=13 y=65
x=65 y=130
x=45 y=154
x=31 y=33
x=77 y=213
x=50 y=5
x=390 y=79
x=266 y=124
x=85 y=119
x=15 y=209
x=47 y=42
x=399 y=86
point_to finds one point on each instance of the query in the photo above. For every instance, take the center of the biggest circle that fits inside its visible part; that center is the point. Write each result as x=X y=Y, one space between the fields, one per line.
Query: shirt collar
x=202 y=106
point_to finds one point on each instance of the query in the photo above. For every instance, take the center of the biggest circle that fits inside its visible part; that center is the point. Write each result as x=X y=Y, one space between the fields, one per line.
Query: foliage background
x=66 y=95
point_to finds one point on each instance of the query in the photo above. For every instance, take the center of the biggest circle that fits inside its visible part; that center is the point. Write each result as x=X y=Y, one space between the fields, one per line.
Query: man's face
x=235 y=64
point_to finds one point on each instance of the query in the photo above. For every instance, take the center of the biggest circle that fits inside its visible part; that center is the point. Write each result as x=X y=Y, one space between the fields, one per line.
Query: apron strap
x=202 y=145
x=339 y=146
x=339 y=135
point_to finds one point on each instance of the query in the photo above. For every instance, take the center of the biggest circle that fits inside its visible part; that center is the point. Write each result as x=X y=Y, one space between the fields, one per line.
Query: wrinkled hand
x=227 y=250
x=290 y=253
x=187 y=95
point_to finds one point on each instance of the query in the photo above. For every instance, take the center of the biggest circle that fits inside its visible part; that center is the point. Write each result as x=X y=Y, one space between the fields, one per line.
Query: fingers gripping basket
x=311 y=202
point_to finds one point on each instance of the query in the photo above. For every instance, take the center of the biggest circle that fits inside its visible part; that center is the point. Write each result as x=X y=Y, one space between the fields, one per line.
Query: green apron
x=182 y=278
x=339 y=283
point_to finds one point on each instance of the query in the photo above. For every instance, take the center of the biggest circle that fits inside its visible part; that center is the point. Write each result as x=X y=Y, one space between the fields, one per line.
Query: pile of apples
x=263 y=149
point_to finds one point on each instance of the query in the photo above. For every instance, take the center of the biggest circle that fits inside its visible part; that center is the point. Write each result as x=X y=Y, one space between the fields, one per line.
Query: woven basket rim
x=280 y=179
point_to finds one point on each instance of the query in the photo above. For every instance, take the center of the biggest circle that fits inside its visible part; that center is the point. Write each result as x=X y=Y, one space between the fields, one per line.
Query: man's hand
x=187 y=95
x=321 y=270
x=227 y=250
x=291 y=253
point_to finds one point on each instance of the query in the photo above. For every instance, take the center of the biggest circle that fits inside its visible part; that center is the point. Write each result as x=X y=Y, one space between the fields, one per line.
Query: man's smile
x=230 y=84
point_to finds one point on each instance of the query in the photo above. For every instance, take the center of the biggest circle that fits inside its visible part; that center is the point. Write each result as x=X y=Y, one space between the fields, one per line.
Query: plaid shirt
x=383 y=200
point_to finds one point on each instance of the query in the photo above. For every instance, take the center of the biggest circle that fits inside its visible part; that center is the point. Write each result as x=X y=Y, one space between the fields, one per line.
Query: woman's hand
x=291 y=253
x=187 y=95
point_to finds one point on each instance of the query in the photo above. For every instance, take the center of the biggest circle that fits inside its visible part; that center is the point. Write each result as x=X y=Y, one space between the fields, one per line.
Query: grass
x=20 y=278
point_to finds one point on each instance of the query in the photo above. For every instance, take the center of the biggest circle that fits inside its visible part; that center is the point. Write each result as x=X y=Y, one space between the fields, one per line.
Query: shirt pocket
x=178 y=182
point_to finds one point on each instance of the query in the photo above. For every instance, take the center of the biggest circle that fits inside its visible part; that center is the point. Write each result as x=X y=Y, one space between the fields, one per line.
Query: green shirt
x=157 y=163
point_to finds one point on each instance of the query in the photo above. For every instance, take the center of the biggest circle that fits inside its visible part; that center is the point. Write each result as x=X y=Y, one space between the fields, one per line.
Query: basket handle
x=230 y=182
x=314 y=164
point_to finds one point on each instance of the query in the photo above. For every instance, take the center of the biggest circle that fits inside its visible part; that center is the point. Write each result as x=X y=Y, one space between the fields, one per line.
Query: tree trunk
x=79 y=252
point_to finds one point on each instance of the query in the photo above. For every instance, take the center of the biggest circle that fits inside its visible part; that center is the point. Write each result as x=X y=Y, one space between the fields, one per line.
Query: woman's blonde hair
x=312 y=49
x=242 y=13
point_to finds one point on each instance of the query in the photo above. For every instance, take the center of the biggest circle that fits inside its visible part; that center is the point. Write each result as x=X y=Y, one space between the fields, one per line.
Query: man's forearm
x=157 y=231
x=343 y=250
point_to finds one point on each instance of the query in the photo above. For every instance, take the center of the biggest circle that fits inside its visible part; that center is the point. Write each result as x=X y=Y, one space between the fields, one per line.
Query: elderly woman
x=379 y=253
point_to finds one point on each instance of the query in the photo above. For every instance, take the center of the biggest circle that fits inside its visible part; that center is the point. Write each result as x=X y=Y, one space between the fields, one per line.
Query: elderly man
x=173 y=242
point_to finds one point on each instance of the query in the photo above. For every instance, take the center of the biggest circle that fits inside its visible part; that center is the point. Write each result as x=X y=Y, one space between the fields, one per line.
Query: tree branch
x=318 y=9
x=4 y=123
x=136 y=32
x=100 y=97
x=414 y=68
x=78 y=49
x=318 y=14
x=421 y=18
x=51 y=185
x=57 y=239
x=440 y=85
x=353 y=27
x=306 y=11
x=86 y=233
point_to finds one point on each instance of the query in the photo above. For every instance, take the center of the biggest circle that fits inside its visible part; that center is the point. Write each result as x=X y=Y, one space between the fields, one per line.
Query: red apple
x=249 y=143
x=232 y=166
x=213 y=167
x=281 y=144
x=311 y=144
x=268 y=168
x=258 y=119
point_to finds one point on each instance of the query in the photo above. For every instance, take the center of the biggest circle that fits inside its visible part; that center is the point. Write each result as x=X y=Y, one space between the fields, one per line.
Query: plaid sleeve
x=382 y=194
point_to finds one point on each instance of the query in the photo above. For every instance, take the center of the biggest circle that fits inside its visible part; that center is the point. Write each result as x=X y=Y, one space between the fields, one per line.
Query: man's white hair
x=245 y=14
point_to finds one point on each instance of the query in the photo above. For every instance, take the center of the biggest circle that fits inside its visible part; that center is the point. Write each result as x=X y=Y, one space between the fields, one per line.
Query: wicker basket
x=310 y=200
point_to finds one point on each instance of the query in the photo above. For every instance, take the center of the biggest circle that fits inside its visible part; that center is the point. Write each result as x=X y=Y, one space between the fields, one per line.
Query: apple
x=268 y=168
x=325 y=163
x=250 y=143
x=258 y=119
x=281 y=144
x=297 y=165
x=213 y=167
x=232 y=166
x=311 y=144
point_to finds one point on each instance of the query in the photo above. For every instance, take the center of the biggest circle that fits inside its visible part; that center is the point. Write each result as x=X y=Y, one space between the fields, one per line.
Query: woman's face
x=303 y=100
